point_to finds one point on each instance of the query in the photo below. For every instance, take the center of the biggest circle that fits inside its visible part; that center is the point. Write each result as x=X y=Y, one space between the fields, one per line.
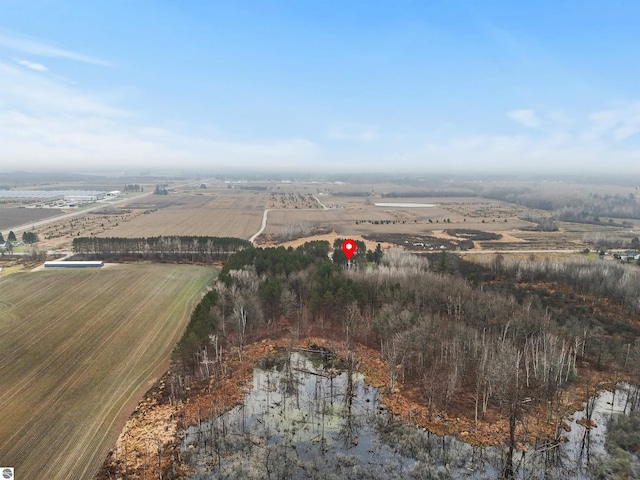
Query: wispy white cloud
x=591 y=142
x=47 y=123
x=618 y=123
x=21 y=43
x=352 y=132
x=96 y=142
x=28 y=91
x=626 y=131
x=560 y=118
x=528 y=118
x=38 y=67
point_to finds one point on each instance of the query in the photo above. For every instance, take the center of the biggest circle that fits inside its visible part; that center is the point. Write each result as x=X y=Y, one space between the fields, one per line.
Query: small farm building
x=74 y=264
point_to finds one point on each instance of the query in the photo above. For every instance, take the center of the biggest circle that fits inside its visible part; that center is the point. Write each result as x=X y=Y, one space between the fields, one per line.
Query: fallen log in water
x=319 y=374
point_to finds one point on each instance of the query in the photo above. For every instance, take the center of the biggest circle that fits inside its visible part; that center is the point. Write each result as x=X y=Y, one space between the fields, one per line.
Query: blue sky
x=326 y=84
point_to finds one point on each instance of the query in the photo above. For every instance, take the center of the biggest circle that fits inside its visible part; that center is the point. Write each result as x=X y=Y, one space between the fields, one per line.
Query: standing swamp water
x=306 y=416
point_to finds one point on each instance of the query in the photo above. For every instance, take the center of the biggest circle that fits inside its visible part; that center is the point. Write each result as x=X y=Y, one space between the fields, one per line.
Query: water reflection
x=304 y=418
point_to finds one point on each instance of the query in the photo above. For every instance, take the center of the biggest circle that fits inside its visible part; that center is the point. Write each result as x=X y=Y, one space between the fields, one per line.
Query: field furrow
x=73 y=369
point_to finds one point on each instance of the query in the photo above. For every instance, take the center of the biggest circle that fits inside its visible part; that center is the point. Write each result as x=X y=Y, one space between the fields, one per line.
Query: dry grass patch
x=212 y=214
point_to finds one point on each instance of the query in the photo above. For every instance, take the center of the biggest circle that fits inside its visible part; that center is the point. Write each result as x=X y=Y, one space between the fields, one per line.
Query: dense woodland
x=170 y=248
x=592 y=208
x=508 y=337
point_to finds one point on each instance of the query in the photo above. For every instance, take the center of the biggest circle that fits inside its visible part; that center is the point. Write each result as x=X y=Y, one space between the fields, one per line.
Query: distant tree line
x=161 y=190
x=133 y=187
x=182 y=248
x=568 y=214
x=351 y=193
x=453 y=192
x=603 y=240
x=570 y=208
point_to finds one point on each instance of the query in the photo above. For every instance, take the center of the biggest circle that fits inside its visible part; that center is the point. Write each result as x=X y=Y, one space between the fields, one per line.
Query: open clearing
x=221 y=213
x=400 y=221
x=211 y=214
x=350 y=216
x=13 y=216
x=378 y=212
x=78 y=349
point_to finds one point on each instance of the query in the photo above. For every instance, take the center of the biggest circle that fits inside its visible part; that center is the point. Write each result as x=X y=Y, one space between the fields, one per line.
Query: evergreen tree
x=377 y=254
x=12 y=237
x=29 y=237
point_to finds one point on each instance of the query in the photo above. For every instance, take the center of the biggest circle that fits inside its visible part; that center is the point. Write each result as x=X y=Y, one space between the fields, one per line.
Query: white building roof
x=72 y=263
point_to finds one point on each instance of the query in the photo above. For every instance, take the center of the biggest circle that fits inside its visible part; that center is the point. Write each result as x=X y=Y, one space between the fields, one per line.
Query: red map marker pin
x=349 y=248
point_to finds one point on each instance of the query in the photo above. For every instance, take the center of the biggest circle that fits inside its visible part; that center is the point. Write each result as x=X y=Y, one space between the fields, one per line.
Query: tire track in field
x=63 y=369
x=94 y=443
x=87 y=327
x=86 y=438
x=37 y=339
x=48 y=303
x=7 y=289
x=59 y=459
x=34 y=374
x=43 y=280
x=147 y=374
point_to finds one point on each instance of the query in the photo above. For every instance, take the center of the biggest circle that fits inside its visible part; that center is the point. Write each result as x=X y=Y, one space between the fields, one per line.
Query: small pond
x=305 y=418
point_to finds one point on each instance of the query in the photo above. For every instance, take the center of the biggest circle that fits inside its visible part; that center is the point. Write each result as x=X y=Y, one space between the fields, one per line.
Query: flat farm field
x=209 y=214
x=15 y=216
x=78 y=349
x=349 y=216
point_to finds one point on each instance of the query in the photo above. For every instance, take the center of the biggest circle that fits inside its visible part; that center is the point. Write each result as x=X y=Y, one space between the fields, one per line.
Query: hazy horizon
x=446 y=87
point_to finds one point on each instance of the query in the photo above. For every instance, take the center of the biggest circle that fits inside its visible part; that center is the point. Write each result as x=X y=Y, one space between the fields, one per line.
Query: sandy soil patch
x=329 y=237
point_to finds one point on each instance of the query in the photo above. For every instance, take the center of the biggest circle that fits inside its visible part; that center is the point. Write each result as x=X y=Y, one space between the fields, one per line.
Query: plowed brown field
x=219 y=215
x=78 y=349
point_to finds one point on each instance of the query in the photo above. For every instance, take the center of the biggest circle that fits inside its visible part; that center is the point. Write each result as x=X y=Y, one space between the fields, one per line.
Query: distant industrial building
x=45 y=194
x=84 y=197
x=114 y=193
x=74 y=264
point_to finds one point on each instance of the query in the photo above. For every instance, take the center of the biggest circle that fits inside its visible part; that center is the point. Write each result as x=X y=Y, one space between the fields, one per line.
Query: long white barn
x=74 y=264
